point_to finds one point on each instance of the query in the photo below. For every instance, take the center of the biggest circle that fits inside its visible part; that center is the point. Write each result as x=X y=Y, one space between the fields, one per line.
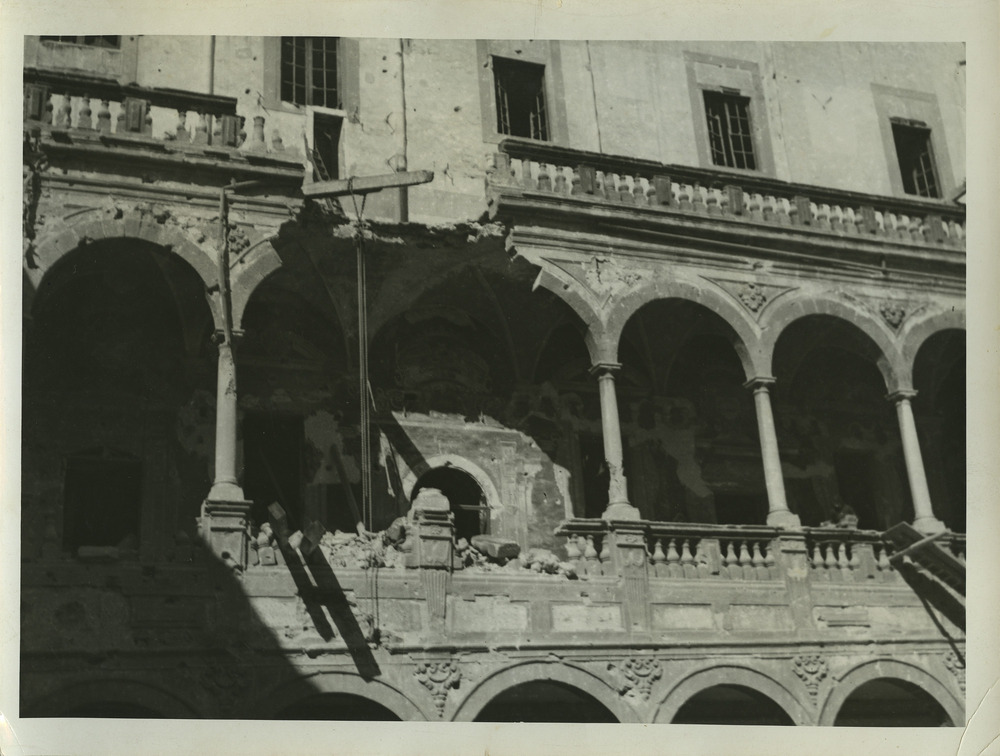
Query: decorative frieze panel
x=438 y=677
x=754 y=296
x=812 y=669
x=956 y=665
x=639 y=674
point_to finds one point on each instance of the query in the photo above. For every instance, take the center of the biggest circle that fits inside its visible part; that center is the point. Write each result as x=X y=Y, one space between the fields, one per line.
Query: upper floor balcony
x=641 y=195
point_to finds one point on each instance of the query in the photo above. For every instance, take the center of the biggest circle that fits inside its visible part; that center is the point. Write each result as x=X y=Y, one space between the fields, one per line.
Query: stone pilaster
x=923 y=511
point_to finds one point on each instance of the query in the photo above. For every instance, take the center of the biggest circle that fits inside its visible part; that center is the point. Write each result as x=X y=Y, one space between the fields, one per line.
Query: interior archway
x=544 y=701
x=465 y=496
x=731 y=705
x=838 y=435
x=888 y=702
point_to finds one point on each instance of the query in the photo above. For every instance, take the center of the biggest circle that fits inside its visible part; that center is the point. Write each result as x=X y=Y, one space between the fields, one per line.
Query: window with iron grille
x=90 y=41
x=520 y=99
x=916 y=157
x=309 y=71
x=730 y=134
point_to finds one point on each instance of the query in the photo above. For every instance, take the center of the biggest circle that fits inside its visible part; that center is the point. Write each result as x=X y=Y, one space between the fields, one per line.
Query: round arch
x=796 y=307
x=745 y=334
x=459 y=463
x=115 y=692
x=302 y=689
x=893 y=669
x=915 y=334
x=252 y=271
x=730 y=675
x=559 y=672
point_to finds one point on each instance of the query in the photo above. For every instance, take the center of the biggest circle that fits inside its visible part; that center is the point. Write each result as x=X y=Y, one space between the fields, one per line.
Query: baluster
x=783 y=211
x=823 y=216
x=65 y=113
x=851 y=221
x=767 y=208
x=576 y=188
x=713 y=203
x=883 y=559
x=687 y=560
x=182 y=132
x=84 y=121
x=754 y=203
x=843 y=563
x=855 y=561
x=746 y=562
x=831 y=562
x=659 y=560
x=544 y=178
x=674 y=568
x=605 y=554
x=147 y=124
x=625 y=190
x=731 y=562
x=600 y=185
x=837 y=219
x=573 y=553
x=201 y=129
x=639 y=192
x=758 y=562
x=560 y=184
x=685 y=193
x=916 y=229
x=881 y=224
x=593 y=562
x=104 y=118
x=120 y=126
x=769 y=563
x=698 y=199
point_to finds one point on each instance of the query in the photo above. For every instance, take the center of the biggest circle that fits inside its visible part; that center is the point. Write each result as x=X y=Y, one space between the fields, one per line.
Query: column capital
x=605 y=368
x=760 y=382
x=900 y=394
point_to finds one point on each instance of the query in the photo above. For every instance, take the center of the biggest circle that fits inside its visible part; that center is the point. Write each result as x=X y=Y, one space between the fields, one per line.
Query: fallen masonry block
x=314 y=532
x=496 y=547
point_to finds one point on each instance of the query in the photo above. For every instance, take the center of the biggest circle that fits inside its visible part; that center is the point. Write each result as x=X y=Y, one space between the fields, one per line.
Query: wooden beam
x=365 y=184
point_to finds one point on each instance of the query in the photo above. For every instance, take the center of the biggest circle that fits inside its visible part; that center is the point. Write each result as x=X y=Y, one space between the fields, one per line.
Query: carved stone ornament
x=893 y=313
x=438 y=677
x=752 y=297
x=812 y=670
x=640 y=673
x=956 y=665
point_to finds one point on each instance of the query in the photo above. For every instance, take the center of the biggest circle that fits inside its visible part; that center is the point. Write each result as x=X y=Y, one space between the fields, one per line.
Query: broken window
x=466 y=497
x=916 y=157
x=113 y=43
x=309 y=71
x=520 y=99
x=730 y=134
x=326 y=146
x=102 y=498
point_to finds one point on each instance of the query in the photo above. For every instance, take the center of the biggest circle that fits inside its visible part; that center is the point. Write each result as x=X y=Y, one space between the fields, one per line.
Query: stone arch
x=301 y=689
x=704 y=679
x=575 y=677
x=890 y=668
x=568 y=290
x=130 y=692
x=745 y=334
x=795 y=307
x=260 y=262
x=460 y=463
x=86 y=229
x=917 y=332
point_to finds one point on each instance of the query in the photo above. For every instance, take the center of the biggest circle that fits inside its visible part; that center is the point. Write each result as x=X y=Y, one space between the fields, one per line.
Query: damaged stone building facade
x=658 y=361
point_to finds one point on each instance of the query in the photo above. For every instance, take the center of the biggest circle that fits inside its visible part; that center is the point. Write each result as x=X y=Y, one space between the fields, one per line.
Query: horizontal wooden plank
x=365 y=184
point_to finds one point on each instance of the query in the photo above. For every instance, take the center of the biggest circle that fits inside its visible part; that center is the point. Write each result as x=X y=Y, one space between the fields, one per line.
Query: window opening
x=113 y=43
x=309 y=71
x=102 y=498
x=916 y=157
x=326 y=145
x=520 y=99
x=272 y=464
x=729 y=130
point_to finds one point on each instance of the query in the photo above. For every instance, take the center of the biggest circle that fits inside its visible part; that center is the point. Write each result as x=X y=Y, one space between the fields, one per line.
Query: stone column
x=923 y=512
x=225 y=512
x=619 y=507
x=778 y=513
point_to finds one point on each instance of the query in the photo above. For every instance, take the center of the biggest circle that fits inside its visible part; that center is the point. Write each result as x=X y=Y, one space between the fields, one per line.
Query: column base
x=224 y=529
x=621 y=510
x=929 y=525
x=225 y=491
x=784 y=518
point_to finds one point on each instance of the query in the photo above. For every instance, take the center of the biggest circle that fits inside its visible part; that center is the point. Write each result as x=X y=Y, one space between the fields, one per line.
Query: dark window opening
x=309 y=71
x=857 y=481
x=113 y=43
x=916 y=158
x=272 y=464
x=730 y=135
x=326 y=146
x=103 y=493
x=467 y=500
x=520 y=99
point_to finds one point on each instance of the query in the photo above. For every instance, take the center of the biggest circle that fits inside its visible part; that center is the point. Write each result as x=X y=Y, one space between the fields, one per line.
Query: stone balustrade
x=69 y=106
x=725 y=195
